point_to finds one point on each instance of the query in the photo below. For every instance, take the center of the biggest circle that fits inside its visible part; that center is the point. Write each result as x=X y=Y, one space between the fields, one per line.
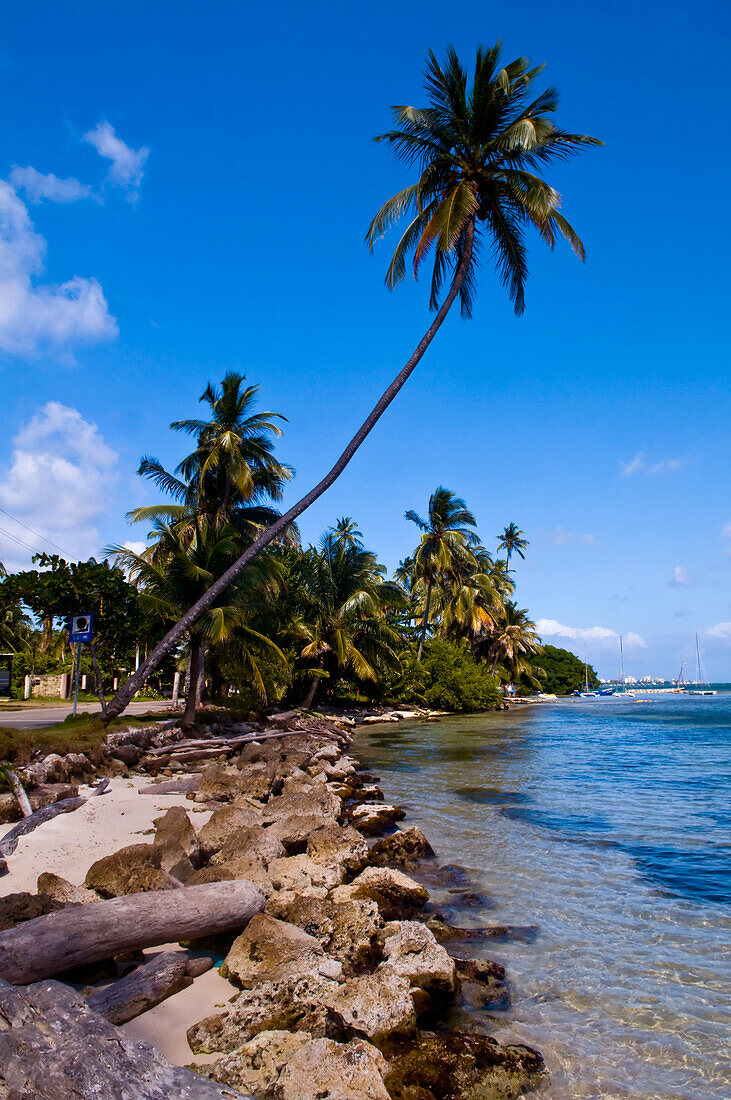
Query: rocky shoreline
x=345 y=984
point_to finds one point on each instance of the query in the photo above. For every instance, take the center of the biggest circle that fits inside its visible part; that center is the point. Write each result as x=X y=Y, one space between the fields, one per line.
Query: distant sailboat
x=586 y=693
x=622 y=692
x=704 y=688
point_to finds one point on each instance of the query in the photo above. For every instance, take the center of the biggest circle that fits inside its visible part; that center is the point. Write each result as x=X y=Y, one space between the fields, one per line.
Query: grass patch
x=85 y=733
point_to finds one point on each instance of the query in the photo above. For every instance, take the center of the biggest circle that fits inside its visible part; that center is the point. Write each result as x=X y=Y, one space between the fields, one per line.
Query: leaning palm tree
x=184 y=568
x=444 y=545
x=512 y=542
x=477 y=152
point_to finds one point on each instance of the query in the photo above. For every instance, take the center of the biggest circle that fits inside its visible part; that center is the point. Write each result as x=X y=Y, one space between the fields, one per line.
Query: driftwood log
x=82 y=934
x=147 y=986
x=19 y=791
x=188 y=784
x=9 y=842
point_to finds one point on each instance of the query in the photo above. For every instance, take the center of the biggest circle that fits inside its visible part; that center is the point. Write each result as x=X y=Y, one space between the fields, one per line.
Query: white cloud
x=38 y=186
x=679 y=578
x=550 y=628
x=726 y=530
x=58 y=483
x=136 y=547
x=640 y=465
x=720 y=630
x=127 y=163
x=42 y=318
x=562 y=537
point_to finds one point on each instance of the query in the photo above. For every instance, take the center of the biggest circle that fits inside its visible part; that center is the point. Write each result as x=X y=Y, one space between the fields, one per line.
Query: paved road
x=36 y=718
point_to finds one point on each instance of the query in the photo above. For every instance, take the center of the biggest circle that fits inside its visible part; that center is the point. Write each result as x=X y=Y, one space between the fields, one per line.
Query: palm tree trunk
x=314 y=684
x=200 y=686
x=425 y=621
x=99 y=677
x=191 y=699
x=126 y=692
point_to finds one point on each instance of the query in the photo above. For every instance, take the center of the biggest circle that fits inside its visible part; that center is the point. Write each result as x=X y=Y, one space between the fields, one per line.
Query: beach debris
x=148 y=985
x=86 y=933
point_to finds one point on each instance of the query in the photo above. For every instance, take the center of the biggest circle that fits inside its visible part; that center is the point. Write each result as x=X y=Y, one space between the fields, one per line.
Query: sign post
x=80 y=630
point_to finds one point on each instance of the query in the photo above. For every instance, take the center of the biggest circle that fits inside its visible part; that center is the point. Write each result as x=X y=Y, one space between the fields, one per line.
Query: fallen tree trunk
x=82 y=934
x=147 y=986
x=9 y=842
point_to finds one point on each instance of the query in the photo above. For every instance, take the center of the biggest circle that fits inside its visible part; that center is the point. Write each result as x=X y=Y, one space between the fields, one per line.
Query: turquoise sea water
x=606 y=824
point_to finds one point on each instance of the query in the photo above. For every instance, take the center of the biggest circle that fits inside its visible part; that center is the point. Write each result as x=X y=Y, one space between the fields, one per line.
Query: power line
x=20 y=542
x=36 y=533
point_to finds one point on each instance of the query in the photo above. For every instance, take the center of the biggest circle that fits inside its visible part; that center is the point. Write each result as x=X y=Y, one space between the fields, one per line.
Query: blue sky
x=222 y=177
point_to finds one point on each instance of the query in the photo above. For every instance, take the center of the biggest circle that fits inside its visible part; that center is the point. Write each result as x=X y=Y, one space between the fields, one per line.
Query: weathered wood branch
x=147 y=986
x=19 y=791
x=81 y=934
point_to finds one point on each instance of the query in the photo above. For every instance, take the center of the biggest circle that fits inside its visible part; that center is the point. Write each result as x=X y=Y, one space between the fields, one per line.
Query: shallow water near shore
x=606 y=824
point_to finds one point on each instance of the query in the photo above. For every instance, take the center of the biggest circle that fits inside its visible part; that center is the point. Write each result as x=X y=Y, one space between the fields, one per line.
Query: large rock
x=411 y=951
x=244 y=867
x=64 y=891
x=458 y=1066
x=9 y=809
x=23 y=906
x=303 y=875
x=324 y=1068
x=220 y=783
x=258 y=1063
x=223 y=822
x=376 y=818
x=269 y=949
x=284 y=1004
x=487 y=988
x=405 y=848
x=377 y=1006
x=295 y=829
x=342 y=847
x=176 y=844
x=131 y=870
x=396 y=895
x=250 y=842
x=304 y=799
x=346 y=930
x=52 y=1047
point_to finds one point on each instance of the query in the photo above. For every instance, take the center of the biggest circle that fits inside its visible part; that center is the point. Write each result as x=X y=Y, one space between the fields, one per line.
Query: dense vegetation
x=304 y=624
x=563 y=672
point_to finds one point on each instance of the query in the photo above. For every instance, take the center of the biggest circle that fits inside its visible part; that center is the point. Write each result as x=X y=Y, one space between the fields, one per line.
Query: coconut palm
x=514 y=640
x=346 y=533
x=343 y=612
x=477 y=152
x=512 y=542
x=444 y=545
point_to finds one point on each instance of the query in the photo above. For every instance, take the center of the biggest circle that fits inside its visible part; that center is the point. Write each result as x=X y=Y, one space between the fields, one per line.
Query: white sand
x=69 y=844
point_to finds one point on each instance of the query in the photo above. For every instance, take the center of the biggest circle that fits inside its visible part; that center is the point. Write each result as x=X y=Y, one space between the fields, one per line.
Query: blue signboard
x=80 y=627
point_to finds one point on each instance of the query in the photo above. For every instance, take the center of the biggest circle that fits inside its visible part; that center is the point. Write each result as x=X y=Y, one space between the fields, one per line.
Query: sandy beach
x=70 y=843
